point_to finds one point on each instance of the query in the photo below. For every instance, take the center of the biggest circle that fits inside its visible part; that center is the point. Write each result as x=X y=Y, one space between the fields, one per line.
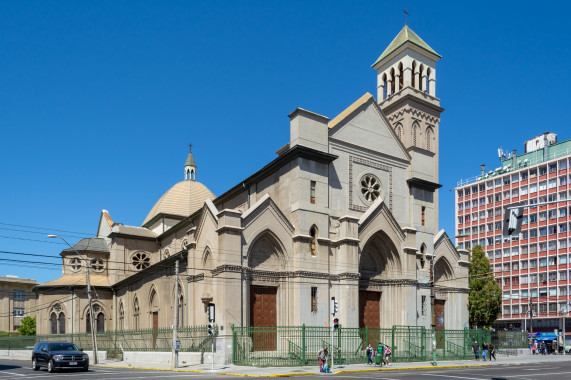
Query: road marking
x=12 y=373
x=454 y=377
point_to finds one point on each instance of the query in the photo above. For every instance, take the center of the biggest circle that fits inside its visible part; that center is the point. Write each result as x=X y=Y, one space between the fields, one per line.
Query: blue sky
x=100 y=98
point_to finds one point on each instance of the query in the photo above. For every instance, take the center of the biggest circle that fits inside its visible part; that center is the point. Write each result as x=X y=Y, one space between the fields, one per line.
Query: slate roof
x=189 y=160
x=405 y=35
x=90 y=244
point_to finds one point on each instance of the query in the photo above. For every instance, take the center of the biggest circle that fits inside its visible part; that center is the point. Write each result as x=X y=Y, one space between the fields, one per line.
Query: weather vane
x=405 y=14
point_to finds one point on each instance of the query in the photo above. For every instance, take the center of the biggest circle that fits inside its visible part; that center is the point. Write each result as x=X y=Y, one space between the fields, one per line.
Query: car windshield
x=63 y=347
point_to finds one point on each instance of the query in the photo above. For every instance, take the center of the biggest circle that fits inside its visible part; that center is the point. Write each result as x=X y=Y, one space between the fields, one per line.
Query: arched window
x=423 y=255
x=53 y=323
x=429 y=138
x=398 y=131
x=180 y=307
x=401 y=77
x=313 y=244
x=57 y=319
x=427 y=81
x=415 y=134
x=385 y=89
x=414 y=74
x=99 y=319
x=420 y=72
x=121 y=316
x=392 y=81
x=136 y=314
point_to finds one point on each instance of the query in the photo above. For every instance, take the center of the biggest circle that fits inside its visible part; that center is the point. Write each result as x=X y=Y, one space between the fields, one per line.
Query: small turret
x=190 y=166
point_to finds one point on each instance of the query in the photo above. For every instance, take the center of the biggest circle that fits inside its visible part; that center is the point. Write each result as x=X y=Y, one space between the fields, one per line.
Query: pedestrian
x=322 y=358
x=542 y=347
x=369 y=351
x=492 y=352
x=476 y=350
x=388 y=353
x=554 y=347
x=484 y=350
x=534 y=348
x=379 y=357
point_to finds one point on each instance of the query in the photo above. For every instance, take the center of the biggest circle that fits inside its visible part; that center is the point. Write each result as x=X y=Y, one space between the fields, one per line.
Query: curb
x=274 y=375
x=150 y=369
x=412 y=368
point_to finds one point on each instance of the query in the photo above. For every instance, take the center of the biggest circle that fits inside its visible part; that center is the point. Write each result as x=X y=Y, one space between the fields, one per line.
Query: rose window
x=97 y=265
x=141 y=260
x=75 y=264
x=370 y=187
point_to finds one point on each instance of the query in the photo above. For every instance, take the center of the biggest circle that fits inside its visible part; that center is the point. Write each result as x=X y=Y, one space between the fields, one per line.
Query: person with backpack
x=369 y=352
x=388 y=353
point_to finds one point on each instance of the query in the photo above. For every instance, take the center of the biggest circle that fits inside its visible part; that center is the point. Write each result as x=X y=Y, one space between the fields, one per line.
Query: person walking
x=369 y=352
x=476 y=350
x=484 y=350
x=554 y=347
x=542 y=348
x=534 y=348
x=322 y=358
x=379 y=355
x=492 y=352
x=388 y=353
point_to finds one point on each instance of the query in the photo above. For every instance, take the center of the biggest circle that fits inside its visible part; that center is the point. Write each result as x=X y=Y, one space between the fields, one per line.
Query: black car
x=56 y=355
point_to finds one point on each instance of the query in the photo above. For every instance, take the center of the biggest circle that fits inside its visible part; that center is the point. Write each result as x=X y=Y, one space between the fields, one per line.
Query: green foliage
x=485 y=299
x=28 y=326
x=4 y=333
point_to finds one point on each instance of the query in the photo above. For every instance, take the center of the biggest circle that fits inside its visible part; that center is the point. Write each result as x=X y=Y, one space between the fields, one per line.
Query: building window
x=99 y=319
x=57 y=320
x=121 y=317
x=423 y=306
x=141 y=260
x=136 y=314
x=19 y=312
x=423 y=215
x=314 y=299
x=312 y=192
x=19 y=295
x=313 y=244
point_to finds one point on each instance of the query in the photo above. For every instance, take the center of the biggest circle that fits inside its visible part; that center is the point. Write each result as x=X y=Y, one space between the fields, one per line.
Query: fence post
x=464 y=345
x=303 y=344
x=444 y=345
x=339 y=348
x=393 y=342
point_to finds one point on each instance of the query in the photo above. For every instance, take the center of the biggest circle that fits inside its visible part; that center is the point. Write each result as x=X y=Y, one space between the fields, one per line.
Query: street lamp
x=91 y=315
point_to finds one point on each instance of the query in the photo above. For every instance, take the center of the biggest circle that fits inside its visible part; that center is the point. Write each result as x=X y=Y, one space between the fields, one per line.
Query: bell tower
x=406 y=93
x=190 y=166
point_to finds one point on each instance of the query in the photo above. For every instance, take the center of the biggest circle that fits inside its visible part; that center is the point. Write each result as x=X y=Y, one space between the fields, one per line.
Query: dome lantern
x=190 y=166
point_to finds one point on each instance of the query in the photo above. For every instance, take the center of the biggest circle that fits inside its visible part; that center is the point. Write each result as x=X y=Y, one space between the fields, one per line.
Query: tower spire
x=190 y=166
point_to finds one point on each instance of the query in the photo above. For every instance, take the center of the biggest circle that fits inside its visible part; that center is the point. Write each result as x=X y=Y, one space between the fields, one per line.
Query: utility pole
x=175 y=341
x=89 y=300
x=432 y=304
x=531 y=320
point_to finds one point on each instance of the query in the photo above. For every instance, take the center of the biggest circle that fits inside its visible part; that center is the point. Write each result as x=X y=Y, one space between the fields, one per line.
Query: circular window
x=167 y=253
x=75 y=264
x=141 y=260
x=96 y=308
x=185 y=244
x=370 y=188
x=57 y=307
x=97 y=265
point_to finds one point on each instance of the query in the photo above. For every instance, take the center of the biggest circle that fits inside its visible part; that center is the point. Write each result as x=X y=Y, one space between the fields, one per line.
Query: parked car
x=59 y=355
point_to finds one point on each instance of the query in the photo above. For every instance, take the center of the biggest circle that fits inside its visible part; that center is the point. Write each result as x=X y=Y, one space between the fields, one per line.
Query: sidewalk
x=234 y=370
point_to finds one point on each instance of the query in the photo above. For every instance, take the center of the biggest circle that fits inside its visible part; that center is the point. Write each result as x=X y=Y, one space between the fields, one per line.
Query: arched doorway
x=265 y=254
x=379 y=260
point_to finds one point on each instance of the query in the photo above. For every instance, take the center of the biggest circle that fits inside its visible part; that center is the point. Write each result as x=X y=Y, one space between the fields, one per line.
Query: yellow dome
x=182 y=199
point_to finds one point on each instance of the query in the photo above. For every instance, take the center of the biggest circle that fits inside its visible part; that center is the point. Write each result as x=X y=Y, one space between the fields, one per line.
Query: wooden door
x=370 y=316
x=263 y=317
x=155 y=327
x=439 y=324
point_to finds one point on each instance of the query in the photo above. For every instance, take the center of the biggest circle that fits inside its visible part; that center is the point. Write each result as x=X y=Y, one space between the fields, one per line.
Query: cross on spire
x=189 y=147
x=405 y=14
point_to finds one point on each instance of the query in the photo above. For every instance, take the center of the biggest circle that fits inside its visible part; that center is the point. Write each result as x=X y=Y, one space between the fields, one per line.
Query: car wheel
x=35 y=365
x=51 y=367
x=85 y=369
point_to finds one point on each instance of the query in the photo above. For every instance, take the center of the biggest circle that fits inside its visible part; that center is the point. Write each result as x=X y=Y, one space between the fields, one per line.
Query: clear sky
x=99 y=99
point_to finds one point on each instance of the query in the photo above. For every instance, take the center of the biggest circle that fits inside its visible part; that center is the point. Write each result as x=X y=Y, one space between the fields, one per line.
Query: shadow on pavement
x=4 y=367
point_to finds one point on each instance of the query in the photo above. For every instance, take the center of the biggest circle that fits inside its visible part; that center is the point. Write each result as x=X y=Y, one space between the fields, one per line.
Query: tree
x=485 y=299
x=28 y=326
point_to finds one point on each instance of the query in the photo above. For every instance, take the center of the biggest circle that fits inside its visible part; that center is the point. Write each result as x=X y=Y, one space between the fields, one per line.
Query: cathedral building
x=348 y=210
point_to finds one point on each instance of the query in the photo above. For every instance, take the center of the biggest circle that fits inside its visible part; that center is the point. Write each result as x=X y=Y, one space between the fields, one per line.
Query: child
x=388 y=353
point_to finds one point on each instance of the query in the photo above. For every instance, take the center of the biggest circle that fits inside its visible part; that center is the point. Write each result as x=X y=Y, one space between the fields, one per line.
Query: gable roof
x=404 y=36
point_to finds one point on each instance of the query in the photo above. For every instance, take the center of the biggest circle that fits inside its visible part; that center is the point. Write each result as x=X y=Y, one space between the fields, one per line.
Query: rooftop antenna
x=405 y=15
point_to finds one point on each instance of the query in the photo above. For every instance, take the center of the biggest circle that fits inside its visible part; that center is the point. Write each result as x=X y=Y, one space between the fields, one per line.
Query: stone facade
x=16 y=301
x=348 y=210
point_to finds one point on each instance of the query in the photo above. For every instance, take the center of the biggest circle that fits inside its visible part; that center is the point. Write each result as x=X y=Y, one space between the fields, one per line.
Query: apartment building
x=16 y=301
x=531 y=267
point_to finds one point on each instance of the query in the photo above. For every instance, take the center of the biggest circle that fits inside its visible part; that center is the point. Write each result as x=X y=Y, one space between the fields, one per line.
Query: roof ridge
x=403 y=37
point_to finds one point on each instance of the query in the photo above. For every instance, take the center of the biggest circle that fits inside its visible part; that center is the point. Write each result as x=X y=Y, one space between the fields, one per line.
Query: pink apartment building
x=532 y=266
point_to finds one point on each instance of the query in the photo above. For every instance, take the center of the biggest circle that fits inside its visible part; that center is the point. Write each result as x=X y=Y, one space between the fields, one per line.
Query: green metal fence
x=298 y=345
x=192 y=339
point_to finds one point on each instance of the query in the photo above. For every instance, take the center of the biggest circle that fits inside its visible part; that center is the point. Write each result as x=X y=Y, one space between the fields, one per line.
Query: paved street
x=16 y=369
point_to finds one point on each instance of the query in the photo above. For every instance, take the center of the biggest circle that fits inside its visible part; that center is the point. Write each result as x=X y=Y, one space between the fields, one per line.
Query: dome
x=182 y=199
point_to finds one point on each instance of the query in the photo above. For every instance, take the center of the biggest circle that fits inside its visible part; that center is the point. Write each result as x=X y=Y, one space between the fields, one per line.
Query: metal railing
x=192 y=339
x=298 y=345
